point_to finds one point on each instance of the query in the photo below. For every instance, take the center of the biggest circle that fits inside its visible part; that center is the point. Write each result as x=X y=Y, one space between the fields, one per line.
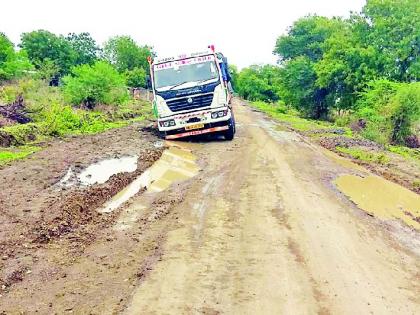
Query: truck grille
x=197 y=102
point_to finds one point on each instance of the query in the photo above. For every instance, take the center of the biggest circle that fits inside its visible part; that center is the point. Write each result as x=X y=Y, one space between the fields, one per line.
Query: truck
x=192 y=95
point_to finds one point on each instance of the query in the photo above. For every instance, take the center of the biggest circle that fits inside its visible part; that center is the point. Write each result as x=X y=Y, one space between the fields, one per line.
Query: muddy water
x=382 y=198
x=100 y=172
x=175 y=164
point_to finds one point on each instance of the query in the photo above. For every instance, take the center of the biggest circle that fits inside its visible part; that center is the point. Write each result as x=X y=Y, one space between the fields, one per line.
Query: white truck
x=191 y=95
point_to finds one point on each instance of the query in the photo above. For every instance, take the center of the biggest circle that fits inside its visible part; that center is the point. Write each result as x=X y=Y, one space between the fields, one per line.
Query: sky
x=245 y=31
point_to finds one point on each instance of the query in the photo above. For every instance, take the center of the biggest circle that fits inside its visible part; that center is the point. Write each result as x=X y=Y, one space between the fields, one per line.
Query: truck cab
x=191 y=95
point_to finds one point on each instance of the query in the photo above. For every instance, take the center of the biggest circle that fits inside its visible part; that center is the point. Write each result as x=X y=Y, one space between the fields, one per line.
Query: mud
x=257 y=228
x=382 y=198
x=175 y=165
x=99 y=172
x=35 y=214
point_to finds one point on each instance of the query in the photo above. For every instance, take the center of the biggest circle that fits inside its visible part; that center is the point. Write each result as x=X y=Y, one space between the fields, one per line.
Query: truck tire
x=230 y=133
x=162 y=135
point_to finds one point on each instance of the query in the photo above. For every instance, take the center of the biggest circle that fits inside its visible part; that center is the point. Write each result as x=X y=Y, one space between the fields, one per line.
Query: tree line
x=90 y=73
x=364 y=68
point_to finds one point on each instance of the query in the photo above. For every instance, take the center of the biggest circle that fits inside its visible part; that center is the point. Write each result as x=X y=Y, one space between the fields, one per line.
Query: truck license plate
x=195 y=126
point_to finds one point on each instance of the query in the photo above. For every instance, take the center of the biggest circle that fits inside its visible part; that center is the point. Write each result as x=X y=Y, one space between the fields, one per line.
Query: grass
x=291 y=117
x=359 y=154
x=405 y=152
x=12 y=154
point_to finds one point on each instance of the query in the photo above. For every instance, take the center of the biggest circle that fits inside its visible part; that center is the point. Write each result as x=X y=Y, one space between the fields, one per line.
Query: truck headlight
x=167 y=123
x=219 y=96
x=162 y=108
x=218 y=114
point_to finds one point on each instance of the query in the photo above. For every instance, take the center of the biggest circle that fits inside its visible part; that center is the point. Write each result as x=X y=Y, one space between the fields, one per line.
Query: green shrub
x=136 y=78
x=96 y=84
x=22 y=134
x=62 y=120
x=362 y=155
x=8 y=155
x=391 y=111
x=406 y=116
x=13 y=64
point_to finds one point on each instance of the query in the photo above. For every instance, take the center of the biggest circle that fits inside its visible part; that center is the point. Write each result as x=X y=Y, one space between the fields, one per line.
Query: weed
x=379 y=158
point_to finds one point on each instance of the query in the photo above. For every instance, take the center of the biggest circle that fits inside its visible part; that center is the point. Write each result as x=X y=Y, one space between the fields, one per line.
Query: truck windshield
x=175 y=74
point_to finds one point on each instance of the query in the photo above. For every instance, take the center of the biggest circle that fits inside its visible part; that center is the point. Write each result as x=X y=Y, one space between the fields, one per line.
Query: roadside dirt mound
x=16 y=111
x=345 y=142
x=6 y=140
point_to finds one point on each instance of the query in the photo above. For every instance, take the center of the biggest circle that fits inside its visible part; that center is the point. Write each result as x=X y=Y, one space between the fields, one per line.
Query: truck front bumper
x=208 y=128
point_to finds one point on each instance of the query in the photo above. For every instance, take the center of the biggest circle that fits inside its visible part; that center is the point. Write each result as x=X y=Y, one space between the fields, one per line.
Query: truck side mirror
x=148 y=82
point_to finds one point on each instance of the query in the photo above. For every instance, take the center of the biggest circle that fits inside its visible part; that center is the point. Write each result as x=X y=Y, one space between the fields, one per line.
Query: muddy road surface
x=268 y=223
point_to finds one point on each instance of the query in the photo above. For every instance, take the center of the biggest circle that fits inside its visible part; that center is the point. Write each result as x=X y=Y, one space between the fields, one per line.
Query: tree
x=84 y=46
x=258 y=83
x=346 y=67
x=136 y=78
x=125 y=54
x=12 y=64
x=306 y=38
x=93 y=84
x=393 y=30
x=298 y=88
x=299 y=53
x=45 y=47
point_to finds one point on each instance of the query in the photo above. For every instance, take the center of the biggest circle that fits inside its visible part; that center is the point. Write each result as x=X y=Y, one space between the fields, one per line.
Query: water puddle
x=100 y=172
x=382 y=198
x=174 y=165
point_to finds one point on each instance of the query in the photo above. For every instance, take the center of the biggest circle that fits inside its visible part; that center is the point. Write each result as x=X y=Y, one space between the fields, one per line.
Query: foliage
x=258 y=83
x=392 y=28
x=405 y=152
x=306 y=38
x=85 y=48
x=405 y=119
x=44 y=47
x=363 y=155
x=124 y=53
x=290 y=117
x=9 y=155
x=391 y=111
x=136 y=78
x=90 y=85
x=12 y=64
x=62 y=120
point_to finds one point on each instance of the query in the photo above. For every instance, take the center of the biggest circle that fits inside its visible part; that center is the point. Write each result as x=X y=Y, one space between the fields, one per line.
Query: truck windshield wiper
x=176 y=85
x=205 y=80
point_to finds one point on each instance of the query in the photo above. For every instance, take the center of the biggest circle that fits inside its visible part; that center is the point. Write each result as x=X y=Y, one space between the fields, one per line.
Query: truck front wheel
x=230 y=133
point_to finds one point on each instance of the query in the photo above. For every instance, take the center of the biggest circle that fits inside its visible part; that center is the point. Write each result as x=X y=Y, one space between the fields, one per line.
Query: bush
x=63 y=120
x=136 y=78
x=12 y=64
x=391 y=111
x=406 y=117
x=91 y=85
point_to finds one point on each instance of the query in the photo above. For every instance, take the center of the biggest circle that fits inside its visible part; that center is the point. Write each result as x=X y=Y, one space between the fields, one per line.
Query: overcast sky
x=245 y=31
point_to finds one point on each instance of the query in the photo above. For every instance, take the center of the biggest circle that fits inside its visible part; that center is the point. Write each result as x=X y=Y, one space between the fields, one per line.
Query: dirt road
x=261 y=229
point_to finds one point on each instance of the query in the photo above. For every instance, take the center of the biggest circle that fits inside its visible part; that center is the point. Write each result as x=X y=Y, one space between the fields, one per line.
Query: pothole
x=99 y=172
x=174 y=165
x=382 y=198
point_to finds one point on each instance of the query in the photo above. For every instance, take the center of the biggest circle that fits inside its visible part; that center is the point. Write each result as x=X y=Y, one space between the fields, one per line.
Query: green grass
x=12 y=154
x=291 y=117
x=358 y=154
x=405 y=152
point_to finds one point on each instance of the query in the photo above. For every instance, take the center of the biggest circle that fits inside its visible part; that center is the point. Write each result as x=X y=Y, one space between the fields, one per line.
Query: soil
x=262 y=228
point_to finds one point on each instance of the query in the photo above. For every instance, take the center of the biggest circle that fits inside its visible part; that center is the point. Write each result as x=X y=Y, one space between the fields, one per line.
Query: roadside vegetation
x=351 y=84
x=54 y=86
x=362 y=72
